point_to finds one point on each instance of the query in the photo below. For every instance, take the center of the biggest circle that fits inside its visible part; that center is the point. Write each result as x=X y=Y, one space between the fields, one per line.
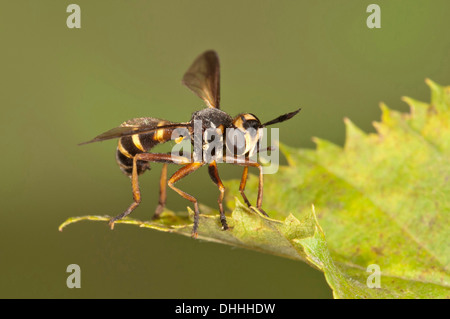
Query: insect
x=139 y=135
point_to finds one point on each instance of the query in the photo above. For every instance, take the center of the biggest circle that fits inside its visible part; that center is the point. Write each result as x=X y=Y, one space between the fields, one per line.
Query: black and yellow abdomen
x=129 y=146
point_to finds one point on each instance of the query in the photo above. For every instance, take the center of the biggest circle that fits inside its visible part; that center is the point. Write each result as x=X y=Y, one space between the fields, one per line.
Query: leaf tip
x=440 y=95
x=431 y=84
x=415 y=107
x=316 y=221
x=385 y=110
x=387 y=119
x=353 y=133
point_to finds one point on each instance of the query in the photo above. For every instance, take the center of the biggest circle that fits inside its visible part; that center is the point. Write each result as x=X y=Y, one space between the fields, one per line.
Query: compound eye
x=252 y=131
x=236 y=142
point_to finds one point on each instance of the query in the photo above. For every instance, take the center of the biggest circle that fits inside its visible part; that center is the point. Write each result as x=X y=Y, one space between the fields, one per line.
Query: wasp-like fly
x=139 y=135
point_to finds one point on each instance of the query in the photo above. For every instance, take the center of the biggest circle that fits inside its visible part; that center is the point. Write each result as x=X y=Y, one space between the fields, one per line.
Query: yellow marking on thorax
x=220 y=129
x=123 y=150
x=179 y=139
x=137 y=142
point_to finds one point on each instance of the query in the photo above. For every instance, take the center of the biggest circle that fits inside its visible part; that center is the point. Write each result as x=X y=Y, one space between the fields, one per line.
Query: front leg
x=248 y=163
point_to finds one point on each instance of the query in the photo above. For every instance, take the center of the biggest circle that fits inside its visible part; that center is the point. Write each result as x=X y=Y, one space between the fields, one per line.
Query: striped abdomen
x=129 y=146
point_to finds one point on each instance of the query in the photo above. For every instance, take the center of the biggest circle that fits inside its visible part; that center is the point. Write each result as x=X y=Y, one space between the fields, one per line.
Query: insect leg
x=183 y=172
x=214 y=174
x=242 y=185
x=162 y=192
x=148 y=157
x=136 y=195
x=248 y=163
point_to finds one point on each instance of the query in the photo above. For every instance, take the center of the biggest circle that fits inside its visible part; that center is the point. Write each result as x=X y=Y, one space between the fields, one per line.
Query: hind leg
x=147 y=157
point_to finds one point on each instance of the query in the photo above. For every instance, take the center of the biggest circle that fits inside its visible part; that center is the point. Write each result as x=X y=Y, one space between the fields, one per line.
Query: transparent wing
x=121 y=131
x=203 y=78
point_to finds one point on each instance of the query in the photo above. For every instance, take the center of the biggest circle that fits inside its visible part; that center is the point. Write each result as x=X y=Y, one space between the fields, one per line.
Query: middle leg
x=214 y=174
x=162 y=192
x=183 y=172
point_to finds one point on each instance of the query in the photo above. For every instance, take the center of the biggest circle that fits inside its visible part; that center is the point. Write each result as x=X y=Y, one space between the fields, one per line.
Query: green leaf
x=383 y=199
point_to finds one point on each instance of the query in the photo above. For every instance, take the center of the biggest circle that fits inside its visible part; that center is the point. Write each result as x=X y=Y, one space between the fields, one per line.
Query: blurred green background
x=61 y=86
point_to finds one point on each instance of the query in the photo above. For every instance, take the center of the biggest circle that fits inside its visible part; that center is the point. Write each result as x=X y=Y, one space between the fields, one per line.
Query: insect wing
x=121 y=131
x=203 y=78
